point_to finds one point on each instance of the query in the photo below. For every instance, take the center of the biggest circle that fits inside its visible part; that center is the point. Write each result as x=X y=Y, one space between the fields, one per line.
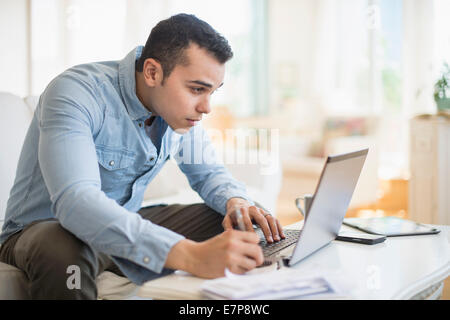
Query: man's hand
x=235 y=250
x=270 y=226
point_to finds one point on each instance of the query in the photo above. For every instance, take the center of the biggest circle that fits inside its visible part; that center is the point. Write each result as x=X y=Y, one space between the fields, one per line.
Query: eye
x=197 y=90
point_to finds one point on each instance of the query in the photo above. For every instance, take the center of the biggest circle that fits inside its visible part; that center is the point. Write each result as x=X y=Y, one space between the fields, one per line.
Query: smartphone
x=364 y=238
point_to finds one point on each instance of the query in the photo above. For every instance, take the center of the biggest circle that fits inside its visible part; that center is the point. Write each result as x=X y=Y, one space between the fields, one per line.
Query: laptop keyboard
x=270 y=249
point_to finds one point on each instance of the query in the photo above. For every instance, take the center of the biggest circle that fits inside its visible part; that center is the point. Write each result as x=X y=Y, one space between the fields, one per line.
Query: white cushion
x=31 y=102
x=13 y=283
x=14 y=122
x=113 y=287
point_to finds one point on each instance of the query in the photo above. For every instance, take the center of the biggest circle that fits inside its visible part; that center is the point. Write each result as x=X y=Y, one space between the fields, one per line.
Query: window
x=243 y=24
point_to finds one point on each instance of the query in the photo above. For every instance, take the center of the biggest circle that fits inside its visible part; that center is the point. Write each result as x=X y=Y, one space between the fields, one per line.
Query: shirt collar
x=127 y=83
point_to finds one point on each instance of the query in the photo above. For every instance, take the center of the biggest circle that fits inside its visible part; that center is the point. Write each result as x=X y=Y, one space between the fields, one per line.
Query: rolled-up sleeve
x=198 y=160
x=69 y=115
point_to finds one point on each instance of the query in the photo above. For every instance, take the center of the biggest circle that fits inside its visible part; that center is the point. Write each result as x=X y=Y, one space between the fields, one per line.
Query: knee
x=49 y=248
x=57 y=263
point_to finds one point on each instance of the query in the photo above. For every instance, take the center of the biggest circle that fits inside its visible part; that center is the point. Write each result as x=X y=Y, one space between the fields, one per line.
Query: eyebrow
x=202 y=83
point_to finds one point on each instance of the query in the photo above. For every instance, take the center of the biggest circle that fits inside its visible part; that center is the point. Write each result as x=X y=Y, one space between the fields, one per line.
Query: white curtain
x=70 y=32
x=419 y=50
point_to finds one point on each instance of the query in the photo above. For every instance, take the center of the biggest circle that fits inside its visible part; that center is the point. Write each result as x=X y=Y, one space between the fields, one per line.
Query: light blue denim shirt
x=87 y=160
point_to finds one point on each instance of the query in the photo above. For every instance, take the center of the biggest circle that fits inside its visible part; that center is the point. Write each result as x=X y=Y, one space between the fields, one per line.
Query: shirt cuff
x=153 y=246
x=146 y=262
x=220 y=200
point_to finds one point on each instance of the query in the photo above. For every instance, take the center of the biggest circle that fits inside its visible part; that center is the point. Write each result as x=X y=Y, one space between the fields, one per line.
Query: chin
x=181 y=130
x=181 y=127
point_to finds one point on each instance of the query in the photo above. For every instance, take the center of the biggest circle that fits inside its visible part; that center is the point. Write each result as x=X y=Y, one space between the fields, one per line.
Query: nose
x=204 y=105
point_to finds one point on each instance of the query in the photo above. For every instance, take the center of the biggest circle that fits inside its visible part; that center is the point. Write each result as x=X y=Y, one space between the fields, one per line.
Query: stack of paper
x=281 y=284
x=181 y=285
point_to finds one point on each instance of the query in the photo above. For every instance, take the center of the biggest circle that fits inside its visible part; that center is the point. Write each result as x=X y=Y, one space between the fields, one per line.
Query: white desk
x=399 y=268
x=412 y=267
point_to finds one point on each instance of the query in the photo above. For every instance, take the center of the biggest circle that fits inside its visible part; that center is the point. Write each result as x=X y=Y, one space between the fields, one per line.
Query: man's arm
x=69 y=116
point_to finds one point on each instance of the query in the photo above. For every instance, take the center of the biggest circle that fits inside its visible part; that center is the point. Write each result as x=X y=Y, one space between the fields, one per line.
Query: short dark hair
x=169 y=39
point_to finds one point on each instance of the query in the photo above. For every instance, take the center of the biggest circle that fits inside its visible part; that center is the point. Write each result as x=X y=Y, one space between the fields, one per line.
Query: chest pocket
x=116 y=167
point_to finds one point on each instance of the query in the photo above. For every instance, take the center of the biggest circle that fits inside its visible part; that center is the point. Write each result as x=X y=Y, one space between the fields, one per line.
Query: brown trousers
x=44 y=249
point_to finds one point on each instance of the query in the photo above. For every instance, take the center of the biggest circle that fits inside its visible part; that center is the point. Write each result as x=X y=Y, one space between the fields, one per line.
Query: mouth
x=193 y=122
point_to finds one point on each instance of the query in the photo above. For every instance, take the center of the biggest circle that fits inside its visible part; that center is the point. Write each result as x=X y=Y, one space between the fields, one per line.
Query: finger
x=226 y=223
x=262 y=222
x=254 y=253
x=245 y=259
x=280 y=229
x=242 y=264
x=273 y=226
x=247 y=244
x=257 y=254
x=237 y=269
x=247 y=219
x=248 y=237
x=247 y=263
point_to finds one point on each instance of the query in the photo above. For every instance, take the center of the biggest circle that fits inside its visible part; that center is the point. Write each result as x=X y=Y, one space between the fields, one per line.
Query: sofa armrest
x=13 y=283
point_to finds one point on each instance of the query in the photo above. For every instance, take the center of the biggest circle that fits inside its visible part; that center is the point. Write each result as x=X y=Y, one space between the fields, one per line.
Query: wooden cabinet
x=429 y=188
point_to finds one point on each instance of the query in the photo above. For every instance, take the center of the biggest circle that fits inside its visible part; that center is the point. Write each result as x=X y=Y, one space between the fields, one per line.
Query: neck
x=140 y=91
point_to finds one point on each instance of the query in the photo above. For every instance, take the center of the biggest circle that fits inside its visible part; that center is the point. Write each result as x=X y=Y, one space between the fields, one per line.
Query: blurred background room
x=318 y=76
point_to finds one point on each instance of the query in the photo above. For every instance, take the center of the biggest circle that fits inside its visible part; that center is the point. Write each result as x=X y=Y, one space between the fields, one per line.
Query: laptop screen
x=330 y=203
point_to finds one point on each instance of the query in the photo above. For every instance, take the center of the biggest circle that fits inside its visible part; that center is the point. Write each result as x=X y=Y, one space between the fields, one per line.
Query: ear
x=152 y=71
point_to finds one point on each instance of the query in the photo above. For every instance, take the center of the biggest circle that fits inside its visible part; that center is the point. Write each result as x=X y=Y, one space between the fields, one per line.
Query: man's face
x=185 y=95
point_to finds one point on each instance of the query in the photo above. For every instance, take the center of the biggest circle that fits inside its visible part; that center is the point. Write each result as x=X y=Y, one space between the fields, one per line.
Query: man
x=100 y=133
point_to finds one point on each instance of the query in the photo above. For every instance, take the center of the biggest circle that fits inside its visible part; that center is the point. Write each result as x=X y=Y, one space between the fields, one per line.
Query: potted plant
x=442 y=90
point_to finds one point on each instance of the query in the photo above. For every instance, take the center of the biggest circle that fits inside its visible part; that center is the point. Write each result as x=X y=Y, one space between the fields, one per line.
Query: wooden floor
x=393 y=201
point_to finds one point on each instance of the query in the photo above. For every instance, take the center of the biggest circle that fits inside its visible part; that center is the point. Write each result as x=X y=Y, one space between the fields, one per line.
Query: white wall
x=13 y=47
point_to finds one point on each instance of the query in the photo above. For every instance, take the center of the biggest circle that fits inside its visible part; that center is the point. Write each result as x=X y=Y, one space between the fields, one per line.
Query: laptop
x=327 y=211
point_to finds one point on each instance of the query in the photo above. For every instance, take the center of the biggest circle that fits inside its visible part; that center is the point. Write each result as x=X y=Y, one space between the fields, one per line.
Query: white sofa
x=170 y=186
